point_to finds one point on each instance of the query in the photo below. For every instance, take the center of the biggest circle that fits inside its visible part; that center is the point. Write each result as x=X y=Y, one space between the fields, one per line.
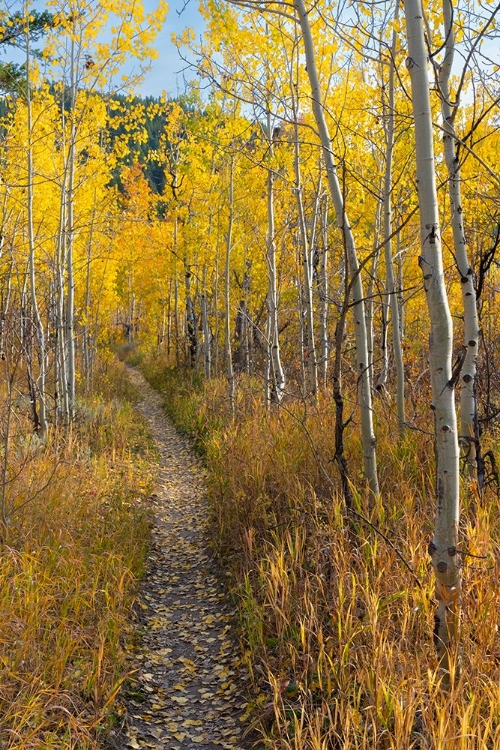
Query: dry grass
x=69 y=564
x=326 y=603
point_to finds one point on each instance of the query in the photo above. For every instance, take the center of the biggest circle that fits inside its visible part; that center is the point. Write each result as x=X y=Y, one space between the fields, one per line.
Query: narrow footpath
x=190 y=687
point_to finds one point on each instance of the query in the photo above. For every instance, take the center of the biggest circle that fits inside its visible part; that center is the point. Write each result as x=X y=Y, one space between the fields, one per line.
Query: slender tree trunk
x=242 y=326
x=365 y=398
x=323 y=298
x=400 y=296
x=61 y=383
x=389 y=268
x=370 y=300
x=227 y=288
x=207 y=344
x=469 y=432
x=70 y=234
x=191 y=320
x=87 y=338
x=306 y=296
x=176 y=320
x=169 y=320
x=39 y=391
x=443 y=548
x=277 y=384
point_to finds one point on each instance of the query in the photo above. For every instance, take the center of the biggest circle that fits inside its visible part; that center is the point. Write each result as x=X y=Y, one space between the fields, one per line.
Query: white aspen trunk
x=131 y=310
x=323 y=296
x=365 y=398
x=267 y=367
x=468 y=401
x=370 y=298
x=62 y=402
x=277 y=376
x=391 y=291
x=401 y=309
x=40 y=333
x=207 y=349
x=227 y=289
x=70 y=296
x=216 y=304
x=86 y=338
x=306 y=297
x=190 y=320
x=302 y=337
x=169 y=319
x=176 y=320
x=443 y=548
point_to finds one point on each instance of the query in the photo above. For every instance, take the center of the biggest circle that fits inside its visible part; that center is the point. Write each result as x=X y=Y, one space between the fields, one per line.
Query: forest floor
x=188 y=689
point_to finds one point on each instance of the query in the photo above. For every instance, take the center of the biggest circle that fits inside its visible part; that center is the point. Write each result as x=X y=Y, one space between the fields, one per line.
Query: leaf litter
x=189 y=681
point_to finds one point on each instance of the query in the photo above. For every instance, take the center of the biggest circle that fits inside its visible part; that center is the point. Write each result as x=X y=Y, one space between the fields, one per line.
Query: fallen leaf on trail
x=180 y=700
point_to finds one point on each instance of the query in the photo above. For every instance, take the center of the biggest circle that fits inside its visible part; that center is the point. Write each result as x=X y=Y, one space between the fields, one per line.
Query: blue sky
x=167 y=70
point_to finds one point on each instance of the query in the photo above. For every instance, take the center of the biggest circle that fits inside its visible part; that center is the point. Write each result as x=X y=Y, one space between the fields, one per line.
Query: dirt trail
x=190 y=685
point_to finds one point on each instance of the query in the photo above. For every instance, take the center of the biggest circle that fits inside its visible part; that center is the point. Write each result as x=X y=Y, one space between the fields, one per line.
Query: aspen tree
x=365 y=397
x=323 y=294
x=444 y=546
x=70 y=238
x=468 y=401
x=389 y=116
x=310 y=348
x=227 y=320
x=275 y=376
x=40 y=395
x=205 y=324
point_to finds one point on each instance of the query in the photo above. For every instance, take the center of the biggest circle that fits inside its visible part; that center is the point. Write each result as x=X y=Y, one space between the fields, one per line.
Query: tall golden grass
x=337 y=630
x=69 y=563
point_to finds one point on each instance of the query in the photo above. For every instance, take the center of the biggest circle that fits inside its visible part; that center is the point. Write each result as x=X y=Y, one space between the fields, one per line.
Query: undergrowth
x=337 y=612
x=71 y=556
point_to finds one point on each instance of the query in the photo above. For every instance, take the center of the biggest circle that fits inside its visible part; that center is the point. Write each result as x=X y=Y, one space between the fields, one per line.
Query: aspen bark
x=468 y=402
x=227 y=297
x=276 y=376
x=365 y=398
x=39 y=395
x=207 y=348
x=190 y=319
x=86 y=336
x=61 y=382
x=443 y=548
x=70 y=296
x=323 y=297
x=307 y=297
x=389 y=268
x=370 y=297
x=176 y=321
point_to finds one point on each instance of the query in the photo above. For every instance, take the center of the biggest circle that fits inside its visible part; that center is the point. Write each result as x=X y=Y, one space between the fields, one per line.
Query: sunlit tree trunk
x=176 y=321
x=276 y=376
x=370 y=299
x=192 y=333
x=323 y=296
x=306 y=296
x=207 y=344
x=391 y=291
x=469 y=433
x=70 y=235
x=60 y=360
x=227 y=288
x=443 y=548
x=86 y=334
x=39 y=394
x=365 y=398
